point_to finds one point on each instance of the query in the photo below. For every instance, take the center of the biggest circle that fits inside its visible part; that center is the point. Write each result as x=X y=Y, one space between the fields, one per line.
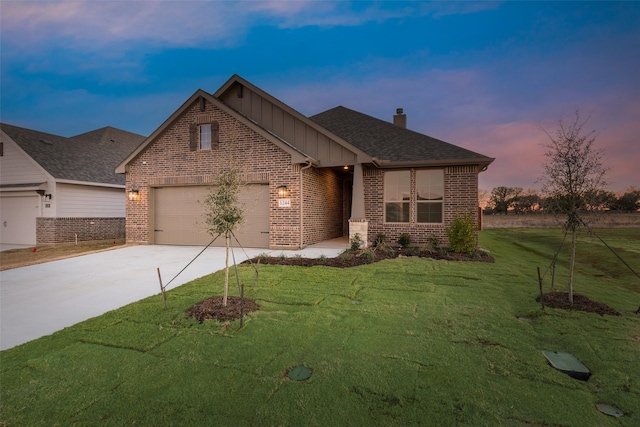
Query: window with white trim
x=418 y=191
x=205 y=137
x=397 y=196
x=429 y=195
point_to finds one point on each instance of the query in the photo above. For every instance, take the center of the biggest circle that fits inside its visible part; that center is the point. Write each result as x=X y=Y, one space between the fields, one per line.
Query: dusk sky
x=486 y=76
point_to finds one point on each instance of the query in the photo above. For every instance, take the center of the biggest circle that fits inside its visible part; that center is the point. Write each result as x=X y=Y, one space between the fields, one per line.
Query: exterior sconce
x=283 y=192
x=283 y=197
x=134 y=195
x=47 y=197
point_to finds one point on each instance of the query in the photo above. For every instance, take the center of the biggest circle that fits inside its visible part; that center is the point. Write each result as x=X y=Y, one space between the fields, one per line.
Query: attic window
x=1 y=149
x=204 y=137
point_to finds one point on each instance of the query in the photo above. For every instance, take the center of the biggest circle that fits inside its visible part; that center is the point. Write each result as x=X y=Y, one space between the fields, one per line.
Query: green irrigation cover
x=568 y=364
x=299 y=373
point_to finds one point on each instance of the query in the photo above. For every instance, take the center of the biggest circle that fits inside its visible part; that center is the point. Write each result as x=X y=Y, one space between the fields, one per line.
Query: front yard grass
x=408 y=341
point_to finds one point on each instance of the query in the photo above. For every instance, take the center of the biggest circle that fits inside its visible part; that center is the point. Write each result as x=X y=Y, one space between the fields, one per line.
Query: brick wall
x=323 y=205
x=65 y=230
x=169 y=161
x=460 y=196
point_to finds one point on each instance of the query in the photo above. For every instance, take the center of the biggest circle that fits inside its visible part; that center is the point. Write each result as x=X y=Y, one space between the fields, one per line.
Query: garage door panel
x=180 y=216
x=18 y=219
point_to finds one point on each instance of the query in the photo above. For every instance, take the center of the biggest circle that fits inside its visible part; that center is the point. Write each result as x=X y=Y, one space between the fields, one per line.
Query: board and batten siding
x=77 y=201
x=18 y=168
x=290 y=128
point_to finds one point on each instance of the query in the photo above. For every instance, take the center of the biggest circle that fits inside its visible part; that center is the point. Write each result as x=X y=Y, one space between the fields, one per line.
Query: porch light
x=134 y=195
x=283 y=192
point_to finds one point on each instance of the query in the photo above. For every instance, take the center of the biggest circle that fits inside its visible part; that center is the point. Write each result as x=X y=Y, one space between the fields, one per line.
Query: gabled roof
x=392 y=144
x=299 y=141
x=297 y=156
x=88 y=157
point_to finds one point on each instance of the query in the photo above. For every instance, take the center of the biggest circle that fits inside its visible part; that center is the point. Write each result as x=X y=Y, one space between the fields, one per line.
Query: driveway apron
x=41 y=299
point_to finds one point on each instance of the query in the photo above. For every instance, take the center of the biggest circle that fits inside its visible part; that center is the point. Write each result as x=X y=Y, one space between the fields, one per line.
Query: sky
x=493 y=77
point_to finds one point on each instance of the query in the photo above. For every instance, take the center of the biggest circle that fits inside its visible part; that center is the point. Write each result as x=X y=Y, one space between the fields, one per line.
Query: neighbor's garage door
x=18 y=219
x=179 y=216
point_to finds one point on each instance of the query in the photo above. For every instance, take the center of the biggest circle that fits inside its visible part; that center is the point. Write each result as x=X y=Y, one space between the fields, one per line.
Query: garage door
x=179 y=216
x=18 y=219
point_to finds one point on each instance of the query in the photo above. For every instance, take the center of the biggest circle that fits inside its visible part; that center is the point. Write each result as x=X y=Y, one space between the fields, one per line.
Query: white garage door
x=18 y=219
x=179 y=217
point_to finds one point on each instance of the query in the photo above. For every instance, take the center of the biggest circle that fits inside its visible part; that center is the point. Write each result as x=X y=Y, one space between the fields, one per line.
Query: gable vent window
x=204 y=137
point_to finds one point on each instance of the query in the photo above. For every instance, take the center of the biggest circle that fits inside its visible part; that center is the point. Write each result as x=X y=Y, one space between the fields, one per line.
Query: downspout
x=309 y=164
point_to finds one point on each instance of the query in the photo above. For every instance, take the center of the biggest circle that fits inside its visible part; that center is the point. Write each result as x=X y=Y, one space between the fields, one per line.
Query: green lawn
x=400 y=342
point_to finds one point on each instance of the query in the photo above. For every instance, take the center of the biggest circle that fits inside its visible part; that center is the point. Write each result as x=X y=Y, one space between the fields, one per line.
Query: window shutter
x=193 y=137
x=215 y=135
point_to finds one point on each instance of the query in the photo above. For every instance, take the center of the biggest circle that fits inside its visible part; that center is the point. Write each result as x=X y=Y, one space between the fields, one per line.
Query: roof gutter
x=483 y=163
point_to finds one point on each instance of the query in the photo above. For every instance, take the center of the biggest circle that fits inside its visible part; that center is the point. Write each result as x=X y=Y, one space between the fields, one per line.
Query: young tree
x=573 y=174
x=224 y=212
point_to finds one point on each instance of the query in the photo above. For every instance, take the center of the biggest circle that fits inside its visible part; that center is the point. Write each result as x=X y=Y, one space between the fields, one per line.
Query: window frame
x=398 y=199
x=413 y=201
x=431 y=187
x=195 y=135
x=201 y=141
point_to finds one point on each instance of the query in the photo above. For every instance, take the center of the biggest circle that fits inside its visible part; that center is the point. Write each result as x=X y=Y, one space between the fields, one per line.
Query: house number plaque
x=284 y=203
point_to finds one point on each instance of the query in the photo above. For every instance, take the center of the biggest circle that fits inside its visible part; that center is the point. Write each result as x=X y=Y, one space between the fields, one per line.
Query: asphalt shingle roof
x=389 y=142
x=88 y=157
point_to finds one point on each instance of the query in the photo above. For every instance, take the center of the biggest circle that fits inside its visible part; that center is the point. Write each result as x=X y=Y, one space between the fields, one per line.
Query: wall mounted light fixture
x=134 y=195
x=283 y=192
x=47 y=197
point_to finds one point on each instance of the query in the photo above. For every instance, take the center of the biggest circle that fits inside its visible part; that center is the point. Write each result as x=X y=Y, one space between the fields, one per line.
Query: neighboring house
x=308 y=179
x=55 y=189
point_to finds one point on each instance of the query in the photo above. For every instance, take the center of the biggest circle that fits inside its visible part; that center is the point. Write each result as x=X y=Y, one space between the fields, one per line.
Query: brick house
x=55 y=189
x=307 y=179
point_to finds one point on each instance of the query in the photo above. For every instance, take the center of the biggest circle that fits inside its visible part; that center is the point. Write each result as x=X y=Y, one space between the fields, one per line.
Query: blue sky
x=486 y=76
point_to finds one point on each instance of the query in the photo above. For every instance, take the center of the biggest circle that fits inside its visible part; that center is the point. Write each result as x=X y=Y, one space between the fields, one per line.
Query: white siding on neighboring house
x=82 y=201
x=18 y=168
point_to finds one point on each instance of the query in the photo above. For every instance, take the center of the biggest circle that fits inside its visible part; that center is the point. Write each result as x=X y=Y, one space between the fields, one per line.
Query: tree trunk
x=226 y=272
x=571 y=264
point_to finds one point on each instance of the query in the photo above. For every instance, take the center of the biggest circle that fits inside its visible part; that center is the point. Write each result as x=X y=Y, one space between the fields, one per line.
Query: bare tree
x=503 y=198
x=224 y=212
x=573 y=174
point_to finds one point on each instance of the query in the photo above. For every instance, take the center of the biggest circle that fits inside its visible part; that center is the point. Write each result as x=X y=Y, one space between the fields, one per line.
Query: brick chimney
x=400 y=119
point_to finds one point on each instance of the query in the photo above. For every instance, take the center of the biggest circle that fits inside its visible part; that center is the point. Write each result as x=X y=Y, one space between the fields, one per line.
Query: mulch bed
x=580 y=303
x=212 y=308
x=353 y=258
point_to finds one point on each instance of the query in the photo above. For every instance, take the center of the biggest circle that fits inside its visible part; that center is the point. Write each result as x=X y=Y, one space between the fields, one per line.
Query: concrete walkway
x=41 y=299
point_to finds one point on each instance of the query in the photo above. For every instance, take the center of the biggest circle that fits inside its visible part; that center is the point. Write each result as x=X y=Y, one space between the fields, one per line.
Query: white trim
x=91 y=184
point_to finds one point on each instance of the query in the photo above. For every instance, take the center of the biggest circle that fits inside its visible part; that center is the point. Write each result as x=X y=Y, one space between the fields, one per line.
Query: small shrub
x=282 y=256
x=346 y=255
x=435 y=242
x=404 y=240
x=462 y=234
x=297 y=256
x=322 y=257
x=367 y=254
x=381 y=240
x=355 y=242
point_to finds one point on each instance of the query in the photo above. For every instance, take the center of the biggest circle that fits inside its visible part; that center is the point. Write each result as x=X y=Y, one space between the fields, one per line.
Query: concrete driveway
x=39 y=300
